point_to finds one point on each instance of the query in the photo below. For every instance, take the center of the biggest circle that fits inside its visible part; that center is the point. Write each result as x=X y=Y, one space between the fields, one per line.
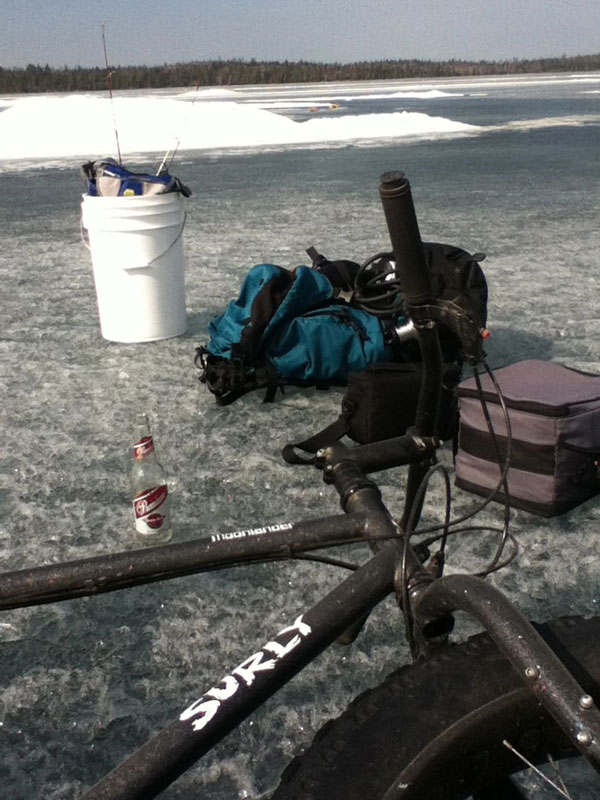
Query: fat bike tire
x=435 y=729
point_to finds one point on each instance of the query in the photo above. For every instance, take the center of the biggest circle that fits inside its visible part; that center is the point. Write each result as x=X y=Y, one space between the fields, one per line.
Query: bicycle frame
x=222 y=707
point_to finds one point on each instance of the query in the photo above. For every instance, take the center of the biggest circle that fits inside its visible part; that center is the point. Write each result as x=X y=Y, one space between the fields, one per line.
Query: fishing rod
x=172 y=152
x=110 y=94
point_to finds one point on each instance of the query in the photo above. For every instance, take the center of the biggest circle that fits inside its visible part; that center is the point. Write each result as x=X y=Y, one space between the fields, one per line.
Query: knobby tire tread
x=437 y=726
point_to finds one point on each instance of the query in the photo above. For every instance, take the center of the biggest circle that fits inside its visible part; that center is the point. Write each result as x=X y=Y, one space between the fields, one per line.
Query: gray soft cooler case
x=554 y=414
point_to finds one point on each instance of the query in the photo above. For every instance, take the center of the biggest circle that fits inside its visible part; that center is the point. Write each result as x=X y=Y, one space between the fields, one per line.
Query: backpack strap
x=310 y=446
x=341 y=273
x=229 y=378
x=262 y=310
x=265 y=375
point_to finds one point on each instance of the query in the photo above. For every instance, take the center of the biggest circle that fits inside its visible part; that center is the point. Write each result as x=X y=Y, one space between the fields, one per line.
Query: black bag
x=458 y=285
x=380 y=403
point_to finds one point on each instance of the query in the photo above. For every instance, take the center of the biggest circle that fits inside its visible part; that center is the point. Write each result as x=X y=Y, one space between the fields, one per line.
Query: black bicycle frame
x=220 y=709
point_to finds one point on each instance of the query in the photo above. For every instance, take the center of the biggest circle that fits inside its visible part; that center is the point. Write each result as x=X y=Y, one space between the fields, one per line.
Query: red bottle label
x=151 y=510
x=143 y=448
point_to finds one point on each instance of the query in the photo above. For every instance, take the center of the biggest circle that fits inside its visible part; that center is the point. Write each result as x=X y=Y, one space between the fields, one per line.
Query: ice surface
x=84 y=682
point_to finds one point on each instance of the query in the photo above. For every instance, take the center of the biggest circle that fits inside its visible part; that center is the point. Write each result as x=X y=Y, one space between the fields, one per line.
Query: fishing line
x=110 y=94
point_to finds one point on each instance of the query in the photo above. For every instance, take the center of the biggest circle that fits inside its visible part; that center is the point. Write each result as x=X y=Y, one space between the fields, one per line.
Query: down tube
x=214 y=714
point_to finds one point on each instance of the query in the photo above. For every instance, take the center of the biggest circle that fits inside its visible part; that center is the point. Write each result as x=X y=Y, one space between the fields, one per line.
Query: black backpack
x=459 y=288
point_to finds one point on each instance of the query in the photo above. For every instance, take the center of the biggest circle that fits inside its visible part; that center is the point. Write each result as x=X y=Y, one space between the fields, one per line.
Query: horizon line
x=253 y=60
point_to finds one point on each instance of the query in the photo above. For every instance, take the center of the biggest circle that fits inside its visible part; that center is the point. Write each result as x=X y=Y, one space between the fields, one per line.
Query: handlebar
x=399 y=210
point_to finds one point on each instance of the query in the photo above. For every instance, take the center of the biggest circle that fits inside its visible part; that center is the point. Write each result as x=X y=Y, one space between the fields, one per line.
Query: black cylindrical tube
x=412 y=271
x=396 y=452
x=89 y=576
x=401 y=219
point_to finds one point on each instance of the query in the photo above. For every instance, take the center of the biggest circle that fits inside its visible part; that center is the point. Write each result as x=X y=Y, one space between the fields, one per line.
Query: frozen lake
x=506 y=166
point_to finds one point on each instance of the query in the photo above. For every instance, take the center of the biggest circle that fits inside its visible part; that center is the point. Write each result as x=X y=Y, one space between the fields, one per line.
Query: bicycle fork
x=432 y=603
x=538 y=665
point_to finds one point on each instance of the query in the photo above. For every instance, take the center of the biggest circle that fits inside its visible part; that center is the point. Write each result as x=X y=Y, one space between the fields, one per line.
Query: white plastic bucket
x=137 y=257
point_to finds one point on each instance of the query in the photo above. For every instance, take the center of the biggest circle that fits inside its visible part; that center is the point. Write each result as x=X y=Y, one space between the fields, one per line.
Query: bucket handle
x=86 y=240
x=164 y=253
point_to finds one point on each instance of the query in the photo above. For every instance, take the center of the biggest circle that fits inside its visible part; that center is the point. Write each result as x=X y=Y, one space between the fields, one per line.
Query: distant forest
x=35 y=78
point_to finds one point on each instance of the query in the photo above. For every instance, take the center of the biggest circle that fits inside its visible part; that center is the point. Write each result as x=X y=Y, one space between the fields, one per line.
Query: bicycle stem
x=411 y=268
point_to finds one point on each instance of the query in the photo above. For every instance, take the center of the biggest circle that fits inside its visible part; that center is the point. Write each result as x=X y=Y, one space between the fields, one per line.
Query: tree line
x=36 y=78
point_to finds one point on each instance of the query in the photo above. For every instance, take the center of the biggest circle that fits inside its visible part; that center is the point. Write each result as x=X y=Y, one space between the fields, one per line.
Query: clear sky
x=68 y=32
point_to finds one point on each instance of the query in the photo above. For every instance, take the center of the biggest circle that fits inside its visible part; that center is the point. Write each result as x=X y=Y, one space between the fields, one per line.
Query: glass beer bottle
x=151 y=502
